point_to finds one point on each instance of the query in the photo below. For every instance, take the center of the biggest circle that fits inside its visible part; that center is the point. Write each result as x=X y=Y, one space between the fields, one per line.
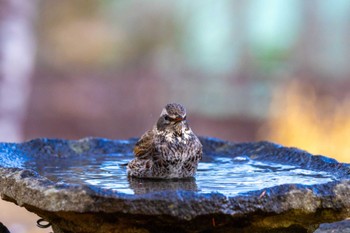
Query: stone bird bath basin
x=81 y=186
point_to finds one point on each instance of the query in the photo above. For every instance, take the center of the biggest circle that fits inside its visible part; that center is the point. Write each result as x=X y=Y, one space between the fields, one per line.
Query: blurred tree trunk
x=17 y=53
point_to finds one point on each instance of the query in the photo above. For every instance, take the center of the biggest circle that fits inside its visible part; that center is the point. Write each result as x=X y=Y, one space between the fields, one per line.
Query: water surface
x=230 y=176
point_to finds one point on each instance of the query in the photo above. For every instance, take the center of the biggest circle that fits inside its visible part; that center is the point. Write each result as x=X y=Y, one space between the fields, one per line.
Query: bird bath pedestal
x=81 y=186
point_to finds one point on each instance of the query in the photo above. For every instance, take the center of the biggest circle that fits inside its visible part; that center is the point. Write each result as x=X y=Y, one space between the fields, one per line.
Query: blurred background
x=246 y=70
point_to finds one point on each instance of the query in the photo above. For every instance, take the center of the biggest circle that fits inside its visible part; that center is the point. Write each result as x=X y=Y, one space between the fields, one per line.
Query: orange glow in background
x=301 y=118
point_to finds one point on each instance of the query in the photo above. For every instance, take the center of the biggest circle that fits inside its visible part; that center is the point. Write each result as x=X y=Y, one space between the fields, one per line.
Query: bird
x=169 y=150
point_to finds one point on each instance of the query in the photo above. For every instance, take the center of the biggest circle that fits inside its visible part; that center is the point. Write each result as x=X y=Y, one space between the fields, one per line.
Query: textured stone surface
x=176 y=206
x=336 y=227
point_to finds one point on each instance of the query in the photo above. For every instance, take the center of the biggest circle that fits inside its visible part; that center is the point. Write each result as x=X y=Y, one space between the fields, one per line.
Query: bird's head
x=172 y=117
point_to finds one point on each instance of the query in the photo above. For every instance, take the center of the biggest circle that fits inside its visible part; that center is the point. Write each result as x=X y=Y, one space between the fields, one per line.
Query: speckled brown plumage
x=169 y=150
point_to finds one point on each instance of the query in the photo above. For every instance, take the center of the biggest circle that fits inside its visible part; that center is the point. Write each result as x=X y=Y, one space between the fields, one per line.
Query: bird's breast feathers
x=170 y=137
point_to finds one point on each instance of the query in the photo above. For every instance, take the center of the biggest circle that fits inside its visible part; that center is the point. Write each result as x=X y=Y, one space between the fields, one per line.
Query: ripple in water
x=230 y=176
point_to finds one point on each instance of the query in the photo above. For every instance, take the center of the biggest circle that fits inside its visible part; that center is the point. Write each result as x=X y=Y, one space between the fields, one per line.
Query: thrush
x=169 y=150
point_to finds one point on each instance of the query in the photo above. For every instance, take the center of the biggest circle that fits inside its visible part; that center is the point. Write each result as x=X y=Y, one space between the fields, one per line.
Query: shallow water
x=229 y=176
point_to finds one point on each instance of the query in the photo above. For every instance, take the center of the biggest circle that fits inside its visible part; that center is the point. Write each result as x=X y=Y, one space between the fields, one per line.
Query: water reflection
x=142 y=186
x=241 y=174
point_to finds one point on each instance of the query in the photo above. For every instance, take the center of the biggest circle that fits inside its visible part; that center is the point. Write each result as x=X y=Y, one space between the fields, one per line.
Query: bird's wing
x=144 y=147
x=199 y=152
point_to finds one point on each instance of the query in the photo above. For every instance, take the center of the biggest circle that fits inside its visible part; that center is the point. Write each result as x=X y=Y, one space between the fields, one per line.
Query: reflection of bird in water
x=169 y=150
x=143 y=186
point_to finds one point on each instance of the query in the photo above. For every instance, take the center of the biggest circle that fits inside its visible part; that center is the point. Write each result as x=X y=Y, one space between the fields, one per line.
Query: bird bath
x=81 y=186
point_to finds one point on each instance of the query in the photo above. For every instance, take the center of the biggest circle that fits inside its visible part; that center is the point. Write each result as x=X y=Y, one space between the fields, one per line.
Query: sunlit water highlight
x=229 y=176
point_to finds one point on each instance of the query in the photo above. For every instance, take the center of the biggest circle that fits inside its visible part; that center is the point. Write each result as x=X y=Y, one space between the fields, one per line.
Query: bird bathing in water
x=169 y=150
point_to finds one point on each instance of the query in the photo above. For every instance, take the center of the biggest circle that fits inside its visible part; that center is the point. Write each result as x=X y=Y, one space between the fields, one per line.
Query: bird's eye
x=167 y=118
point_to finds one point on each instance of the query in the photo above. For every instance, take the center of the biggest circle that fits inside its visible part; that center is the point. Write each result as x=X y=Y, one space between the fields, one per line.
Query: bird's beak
x=178 y=119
